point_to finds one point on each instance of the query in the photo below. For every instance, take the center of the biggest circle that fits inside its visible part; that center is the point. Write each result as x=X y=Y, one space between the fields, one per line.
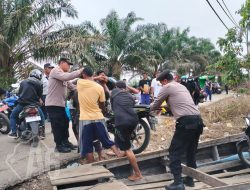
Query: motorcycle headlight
x=247 y=121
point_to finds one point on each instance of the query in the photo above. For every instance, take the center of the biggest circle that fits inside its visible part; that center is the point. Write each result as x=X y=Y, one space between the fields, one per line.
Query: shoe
x=174 y=186
x=188 y=181
x=70 y=145
x=12 y=135
x=62 y=149
x=42 y=132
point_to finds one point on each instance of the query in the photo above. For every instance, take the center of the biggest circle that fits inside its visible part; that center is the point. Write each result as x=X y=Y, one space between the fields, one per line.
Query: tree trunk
x=115 y=70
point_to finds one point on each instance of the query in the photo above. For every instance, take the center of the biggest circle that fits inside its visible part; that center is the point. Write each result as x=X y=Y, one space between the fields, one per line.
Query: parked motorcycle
x=243 y=147
x=4 y=120
x=141 y=135
x=216 y=88
x=29 y=125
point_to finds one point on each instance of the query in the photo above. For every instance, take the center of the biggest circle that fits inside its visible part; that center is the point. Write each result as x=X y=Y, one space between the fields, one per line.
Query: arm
x=63 y=76
x=162 y=96
x=71 y=86
x=133 y=90
x=102 y=107
x=102 y=101
x=152 y=87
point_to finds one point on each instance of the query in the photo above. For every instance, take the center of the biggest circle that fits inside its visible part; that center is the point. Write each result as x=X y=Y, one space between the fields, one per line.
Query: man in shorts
x=126 y=121
x=91 y=99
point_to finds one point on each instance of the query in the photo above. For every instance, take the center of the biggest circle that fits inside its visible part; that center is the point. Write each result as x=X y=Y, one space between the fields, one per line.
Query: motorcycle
x=216 y=89
x=28 y=128
x=243 y=147
x=141 y=135
x=4 y=120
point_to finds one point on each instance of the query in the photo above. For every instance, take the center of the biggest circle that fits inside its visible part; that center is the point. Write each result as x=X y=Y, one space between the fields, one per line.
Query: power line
x=229 y=11
x=227 y=14
x=217 y=14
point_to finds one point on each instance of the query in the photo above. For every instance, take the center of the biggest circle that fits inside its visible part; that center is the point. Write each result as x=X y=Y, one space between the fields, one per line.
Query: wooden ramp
x=114 y=185
x=212 y=173
x=85 y=176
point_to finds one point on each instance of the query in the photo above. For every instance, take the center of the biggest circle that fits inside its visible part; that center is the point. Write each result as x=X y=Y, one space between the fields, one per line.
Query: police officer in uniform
x=189 y=127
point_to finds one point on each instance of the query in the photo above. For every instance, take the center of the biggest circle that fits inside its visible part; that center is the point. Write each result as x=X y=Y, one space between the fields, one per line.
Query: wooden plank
x=149 y=179
x=116 y=185
x=112 y=163
x=82 y=170
x=230 y=174
x=220 y=166
x=219 y=141
x=240 y=186
x=150 y=185
x=201 y=176
x=82 y=178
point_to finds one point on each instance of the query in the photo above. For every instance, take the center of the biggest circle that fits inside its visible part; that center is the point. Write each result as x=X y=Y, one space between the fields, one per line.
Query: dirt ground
x=222 y=118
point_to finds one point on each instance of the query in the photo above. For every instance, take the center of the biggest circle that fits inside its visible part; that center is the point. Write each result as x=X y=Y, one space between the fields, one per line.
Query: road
x=20 y=161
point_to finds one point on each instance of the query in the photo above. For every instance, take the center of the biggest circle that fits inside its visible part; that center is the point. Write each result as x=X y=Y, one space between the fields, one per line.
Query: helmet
x=36 y=74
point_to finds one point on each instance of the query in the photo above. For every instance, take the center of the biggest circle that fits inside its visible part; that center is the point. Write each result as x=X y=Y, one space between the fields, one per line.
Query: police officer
x=189 y=127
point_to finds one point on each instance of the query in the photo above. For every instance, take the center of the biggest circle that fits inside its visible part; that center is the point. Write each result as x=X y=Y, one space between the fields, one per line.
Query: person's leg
x=147 y=99
x=42 y=123
x=14 y=117
x=86 y=138
x=98 y=148
x=102 y=134
x=42 y=116
x=55 y=114
x=43 y=107
x=133 y=162
x=176 y=150
x=142 y=98
x=193 y=139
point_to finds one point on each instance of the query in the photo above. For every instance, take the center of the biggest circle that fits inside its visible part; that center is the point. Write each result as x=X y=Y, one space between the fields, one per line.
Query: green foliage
x=229 y=64
x=28 y=30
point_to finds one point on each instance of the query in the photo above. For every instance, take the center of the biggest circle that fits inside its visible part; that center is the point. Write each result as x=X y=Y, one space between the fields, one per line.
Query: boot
x=177 y=184
x=62 y=149
x=188 y=181
x=70 y=145
x=42 y=132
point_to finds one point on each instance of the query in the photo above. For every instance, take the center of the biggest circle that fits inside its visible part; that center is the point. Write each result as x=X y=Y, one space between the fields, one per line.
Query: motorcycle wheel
x=4 y=124
x=244 y=154
x=141 y=140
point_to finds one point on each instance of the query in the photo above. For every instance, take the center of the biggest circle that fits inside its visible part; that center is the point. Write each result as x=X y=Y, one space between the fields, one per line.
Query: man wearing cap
x=189 y=127
x=55 y=103
x=47 y=68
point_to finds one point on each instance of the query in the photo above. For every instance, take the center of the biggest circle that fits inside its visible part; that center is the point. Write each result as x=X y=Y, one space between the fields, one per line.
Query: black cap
x=165 y=75
x=48 y=65
x=120 y=84
x=67 y=60
x=87 y=71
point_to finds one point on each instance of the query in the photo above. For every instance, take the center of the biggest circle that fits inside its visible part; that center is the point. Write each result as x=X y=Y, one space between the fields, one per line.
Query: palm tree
x=122 y=48
x=28 y=31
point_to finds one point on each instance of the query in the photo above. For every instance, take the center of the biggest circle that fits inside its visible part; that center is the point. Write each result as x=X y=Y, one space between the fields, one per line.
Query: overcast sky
x=195 y=14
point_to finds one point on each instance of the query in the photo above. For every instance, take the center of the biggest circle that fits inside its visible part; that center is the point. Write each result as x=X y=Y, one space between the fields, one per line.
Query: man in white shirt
x=155 y=86
x=47 y=68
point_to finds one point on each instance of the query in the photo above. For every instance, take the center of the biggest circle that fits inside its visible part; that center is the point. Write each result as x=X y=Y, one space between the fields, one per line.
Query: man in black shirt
x=125 y=122
x=144 y=85
x=30 y=93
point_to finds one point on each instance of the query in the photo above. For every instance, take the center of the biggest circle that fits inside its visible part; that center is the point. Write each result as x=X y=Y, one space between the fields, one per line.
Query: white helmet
x=36 y=73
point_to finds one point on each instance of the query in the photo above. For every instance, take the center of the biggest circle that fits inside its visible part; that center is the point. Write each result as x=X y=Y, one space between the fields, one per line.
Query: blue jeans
x=209 y=93
x=145 y=99
x=14 y=117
